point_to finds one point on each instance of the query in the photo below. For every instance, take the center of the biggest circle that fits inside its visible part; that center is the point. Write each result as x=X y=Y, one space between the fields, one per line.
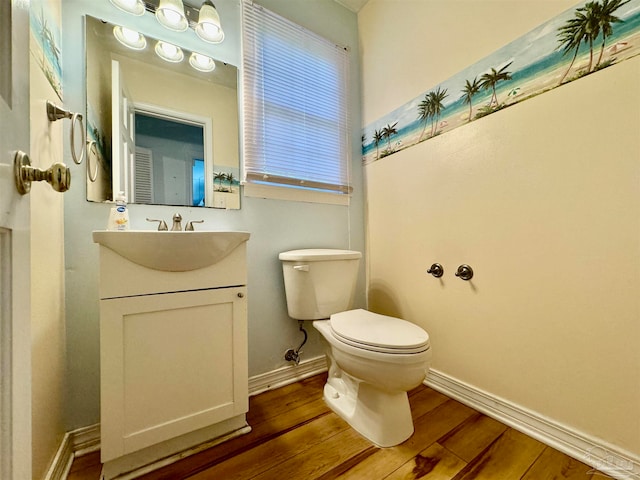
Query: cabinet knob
x=240 y=295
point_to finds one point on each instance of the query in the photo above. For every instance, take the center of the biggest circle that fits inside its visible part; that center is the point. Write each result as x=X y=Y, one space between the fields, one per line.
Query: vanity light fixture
x=134 y=7
x=169 y=52
x=209 y=28
x=176 y=16
x=170 y=14
x=130 y=38
x=201 y=62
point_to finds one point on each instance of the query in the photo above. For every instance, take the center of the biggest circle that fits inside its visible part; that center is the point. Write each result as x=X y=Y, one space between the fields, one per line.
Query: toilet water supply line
x=292 y=355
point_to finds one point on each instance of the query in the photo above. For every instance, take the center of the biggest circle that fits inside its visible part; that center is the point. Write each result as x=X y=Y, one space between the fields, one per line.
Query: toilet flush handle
x=301 y=268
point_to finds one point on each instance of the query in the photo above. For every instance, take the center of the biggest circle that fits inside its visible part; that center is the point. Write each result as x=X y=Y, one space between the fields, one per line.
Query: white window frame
x=258 y=180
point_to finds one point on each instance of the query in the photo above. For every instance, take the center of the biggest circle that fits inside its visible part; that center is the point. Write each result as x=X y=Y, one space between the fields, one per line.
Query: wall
x=275 y=225
x=47 y=275
x=541 y=199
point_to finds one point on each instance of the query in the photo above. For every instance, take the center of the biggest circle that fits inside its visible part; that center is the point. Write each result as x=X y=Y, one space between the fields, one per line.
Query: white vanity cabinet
x=173 y=358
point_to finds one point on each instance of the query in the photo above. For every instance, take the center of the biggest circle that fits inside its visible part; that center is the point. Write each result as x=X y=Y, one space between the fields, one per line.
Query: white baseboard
x=286 y=375
x=74 y=444
x=591 y=451
x=87 y=439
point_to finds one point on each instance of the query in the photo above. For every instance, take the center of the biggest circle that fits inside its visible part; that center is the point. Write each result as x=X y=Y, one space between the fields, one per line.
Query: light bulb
x=134 y=7
x=209 y=28
x=170 y=14
x=169 y=52
x=130 y=38
x=202 y=62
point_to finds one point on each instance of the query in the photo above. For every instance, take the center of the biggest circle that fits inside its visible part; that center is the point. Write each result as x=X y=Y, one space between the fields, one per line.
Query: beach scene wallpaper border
x=589 y=37
x=45 y=30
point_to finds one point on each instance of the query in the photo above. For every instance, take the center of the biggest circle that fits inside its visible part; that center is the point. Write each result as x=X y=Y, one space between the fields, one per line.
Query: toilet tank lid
x=319 y=254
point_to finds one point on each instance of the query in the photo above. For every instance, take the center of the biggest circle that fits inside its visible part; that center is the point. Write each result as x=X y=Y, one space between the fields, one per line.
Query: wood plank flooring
x=295 y=436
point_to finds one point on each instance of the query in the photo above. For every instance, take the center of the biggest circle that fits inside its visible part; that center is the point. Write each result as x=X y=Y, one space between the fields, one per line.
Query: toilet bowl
x=373 y=359
x=370 y=372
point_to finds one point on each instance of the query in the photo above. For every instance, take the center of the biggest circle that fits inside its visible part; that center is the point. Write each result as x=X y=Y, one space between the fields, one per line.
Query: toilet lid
x=381 y=333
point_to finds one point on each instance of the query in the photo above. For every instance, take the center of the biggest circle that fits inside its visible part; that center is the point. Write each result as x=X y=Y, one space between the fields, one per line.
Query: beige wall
x=541 y=199
x=47 y=279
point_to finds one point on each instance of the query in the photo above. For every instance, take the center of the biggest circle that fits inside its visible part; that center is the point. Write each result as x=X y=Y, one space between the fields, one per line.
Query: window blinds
x=296 y=126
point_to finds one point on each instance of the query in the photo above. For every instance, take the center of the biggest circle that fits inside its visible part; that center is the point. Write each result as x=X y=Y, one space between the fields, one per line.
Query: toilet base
x=384 y=418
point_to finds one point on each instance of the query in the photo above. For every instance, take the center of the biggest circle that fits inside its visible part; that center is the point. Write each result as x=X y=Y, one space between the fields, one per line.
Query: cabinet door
x=170 y=364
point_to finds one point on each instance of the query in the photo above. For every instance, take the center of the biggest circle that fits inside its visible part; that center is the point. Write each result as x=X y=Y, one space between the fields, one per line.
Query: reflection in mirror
x=164 y=133
x=181 y=146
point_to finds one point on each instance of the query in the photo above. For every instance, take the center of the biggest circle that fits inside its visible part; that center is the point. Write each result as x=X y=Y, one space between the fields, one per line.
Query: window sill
x=294 y=194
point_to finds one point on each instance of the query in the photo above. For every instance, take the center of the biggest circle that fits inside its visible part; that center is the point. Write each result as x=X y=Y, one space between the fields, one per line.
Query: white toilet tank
x=319 y=282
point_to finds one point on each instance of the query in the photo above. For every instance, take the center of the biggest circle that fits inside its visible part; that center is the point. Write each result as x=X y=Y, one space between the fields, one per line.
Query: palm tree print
x=377 y=138
x=425 y=111
x=606 y=19
x=576 y=43
x=469 y=90
x=588 y=23
x=490 y=80
x=431 y=108
x=388 y=132
x=437 y=107
x=591 y=27
x=570 y=37
x=220 y=177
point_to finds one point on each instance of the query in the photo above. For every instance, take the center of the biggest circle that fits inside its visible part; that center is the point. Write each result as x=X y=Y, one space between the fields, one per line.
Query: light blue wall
x=275 y=225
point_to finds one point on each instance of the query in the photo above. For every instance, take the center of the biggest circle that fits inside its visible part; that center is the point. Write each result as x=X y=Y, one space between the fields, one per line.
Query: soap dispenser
x=119 y=215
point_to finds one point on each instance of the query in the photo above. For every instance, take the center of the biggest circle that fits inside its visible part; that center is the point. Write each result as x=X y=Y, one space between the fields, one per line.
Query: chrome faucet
x=177 y=225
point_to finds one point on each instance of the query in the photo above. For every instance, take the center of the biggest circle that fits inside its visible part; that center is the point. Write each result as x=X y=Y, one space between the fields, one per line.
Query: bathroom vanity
x=173 y=344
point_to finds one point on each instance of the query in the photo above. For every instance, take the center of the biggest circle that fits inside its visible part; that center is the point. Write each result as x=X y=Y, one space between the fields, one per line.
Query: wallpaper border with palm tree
x=593 y=35
x=45 y=49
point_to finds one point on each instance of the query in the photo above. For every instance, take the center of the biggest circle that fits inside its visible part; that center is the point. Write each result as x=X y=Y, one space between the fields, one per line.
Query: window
x=296 y=128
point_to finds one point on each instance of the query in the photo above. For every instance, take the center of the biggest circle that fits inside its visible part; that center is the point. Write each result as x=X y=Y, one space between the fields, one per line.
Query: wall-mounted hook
x=54 y=113
x=57 y=175
x=436 y=270
x=465 y=272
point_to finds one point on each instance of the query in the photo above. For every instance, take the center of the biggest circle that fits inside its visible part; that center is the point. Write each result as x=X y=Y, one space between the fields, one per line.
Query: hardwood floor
x=295 y=436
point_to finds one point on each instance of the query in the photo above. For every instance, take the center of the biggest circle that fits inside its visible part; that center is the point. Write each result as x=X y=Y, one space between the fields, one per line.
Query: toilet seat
x=378 y=333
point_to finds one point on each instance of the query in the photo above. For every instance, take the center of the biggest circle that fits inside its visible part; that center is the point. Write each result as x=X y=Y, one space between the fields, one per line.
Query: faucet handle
x=177 y=225
x=162 y=225
x=189 y=227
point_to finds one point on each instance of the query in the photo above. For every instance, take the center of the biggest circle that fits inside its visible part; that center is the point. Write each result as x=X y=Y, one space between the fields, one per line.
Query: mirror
x=163 y=133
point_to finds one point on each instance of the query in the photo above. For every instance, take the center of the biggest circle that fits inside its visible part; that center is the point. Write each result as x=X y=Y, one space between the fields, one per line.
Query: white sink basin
x=171 y=251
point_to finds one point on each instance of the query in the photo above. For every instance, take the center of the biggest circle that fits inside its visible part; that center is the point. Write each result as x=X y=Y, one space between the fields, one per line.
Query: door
x=123 y=134
x=175 y=181
x=15 y=318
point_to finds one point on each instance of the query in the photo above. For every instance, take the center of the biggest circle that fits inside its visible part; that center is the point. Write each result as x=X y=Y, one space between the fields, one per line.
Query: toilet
x=373 y=359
